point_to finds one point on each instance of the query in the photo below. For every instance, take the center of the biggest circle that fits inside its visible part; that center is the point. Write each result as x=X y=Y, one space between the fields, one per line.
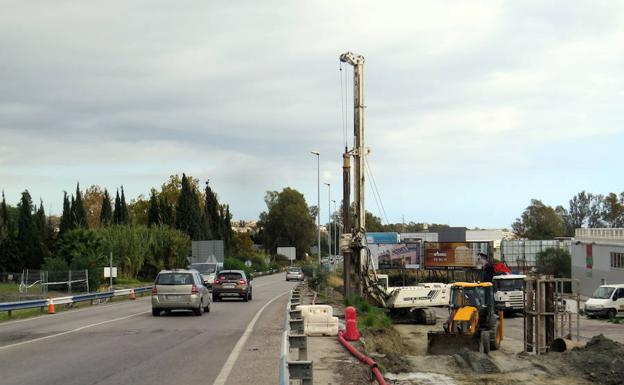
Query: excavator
x=472 y=321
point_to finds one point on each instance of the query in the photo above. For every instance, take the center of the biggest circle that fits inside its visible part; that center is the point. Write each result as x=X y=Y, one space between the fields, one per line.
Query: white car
x=294 y=273
x=607 y=301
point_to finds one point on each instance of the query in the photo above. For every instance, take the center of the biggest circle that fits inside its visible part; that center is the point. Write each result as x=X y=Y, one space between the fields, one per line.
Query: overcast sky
x=473 y=108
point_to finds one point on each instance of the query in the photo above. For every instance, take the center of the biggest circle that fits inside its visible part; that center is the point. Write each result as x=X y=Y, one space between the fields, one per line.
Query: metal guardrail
x=294 y=338
x=42 y=303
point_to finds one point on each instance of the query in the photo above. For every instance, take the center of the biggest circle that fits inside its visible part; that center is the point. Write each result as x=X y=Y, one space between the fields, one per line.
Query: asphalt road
x=123 y=344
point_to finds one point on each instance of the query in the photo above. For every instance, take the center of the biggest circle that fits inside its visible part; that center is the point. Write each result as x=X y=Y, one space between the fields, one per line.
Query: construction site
x=478 y=324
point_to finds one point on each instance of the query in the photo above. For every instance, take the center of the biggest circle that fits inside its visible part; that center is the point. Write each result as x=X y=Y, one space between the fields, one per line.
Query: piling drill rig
x=358 y=264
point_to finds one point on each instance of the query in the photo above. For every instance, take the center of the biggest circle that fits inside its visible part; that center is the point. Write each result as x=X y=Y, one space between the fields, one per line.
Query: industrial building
x=597 y=258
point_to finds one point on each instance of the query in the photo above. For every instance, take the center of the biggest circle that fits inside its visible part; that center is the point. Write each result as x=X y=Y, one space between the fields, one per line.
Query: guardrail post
x=299 y=341
x=301 y=370
x=296 y=325
x=293 y=305
x=10 y=312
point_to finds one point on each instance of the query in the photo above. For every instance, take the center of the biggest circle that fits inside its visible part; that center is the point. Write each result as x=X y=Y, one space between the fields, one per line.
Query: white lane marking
x=229 y=364
x=71 y=331
x=72 y=311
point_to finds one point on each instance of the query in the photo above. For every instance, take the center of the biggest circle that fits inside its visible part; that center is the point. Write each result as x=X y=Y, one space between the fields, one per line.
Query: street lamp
x=329 y=239
x=318 y=202
x=335 y=246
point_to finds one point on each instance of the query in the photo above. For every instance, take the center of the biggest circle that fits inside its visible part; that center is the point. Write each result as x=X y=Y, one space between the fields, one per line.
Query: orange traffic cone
x=132 y=295
x=51 y=306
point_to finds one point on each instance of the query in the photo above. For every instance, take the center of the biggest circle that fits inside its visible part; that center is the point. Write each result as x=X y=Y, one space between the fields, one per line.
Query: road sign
x=288 y=252
x=107 y=272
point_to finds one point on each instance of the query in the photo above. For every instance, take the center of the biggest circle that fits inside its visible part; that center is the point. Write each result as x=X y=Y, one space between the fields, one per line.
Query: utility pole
x=359 y=231
x=318 y=204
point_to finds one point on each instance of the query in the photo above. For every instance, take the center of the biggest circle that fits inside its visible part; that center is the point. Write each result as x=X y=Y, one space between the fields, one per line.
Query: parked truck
x=509 y=292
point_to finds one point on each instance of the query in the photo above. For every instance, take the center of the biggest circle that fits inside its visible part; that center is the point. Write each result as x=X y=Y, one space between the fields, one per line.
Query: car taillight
x=242 y=282
x=194 y=289
x=154 y=290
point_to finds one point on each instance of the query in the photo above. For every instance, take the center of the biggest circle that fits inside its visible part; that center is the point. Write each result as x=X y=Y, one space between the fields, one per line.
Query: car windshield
x=603 y=292
x=204 y=268
x=174 y=279
x=508 y=284
x=230 y=276
x=293 y=270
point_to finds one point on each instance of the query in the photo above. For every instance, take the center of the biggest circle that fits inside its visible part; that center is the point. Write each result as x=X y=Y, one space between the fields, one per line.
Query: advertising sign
x=382 y=238
x=454 y=255
x=401 y=256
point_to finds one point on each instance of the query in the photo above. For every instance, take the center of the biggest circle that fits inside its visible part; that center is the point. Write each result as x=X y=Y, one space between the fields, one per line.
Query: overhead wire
x=369 y=170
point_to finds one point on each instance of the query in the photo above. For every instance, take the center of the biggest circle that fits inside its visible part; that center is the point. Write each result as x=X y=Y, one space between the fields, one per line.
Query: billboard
x=382 y=238
x=455 y=255
x=396 y=256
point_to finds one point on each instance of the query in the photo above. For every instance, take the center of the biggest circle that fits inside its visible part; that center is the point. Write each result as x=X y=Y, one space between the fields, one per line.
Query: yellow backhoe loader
x=472 y=323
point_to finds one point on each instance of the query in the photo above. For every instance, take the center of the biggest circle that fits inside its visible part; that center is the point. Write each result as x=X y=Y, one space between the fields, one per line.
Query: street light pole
x=329 y=239
x=318 y=203
x=335 y=246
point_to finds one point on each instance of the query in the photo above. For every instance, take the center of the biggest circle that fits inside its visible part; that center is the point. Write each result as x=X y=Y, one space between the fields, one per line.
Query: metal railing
x=42 y=303
x=294 y=338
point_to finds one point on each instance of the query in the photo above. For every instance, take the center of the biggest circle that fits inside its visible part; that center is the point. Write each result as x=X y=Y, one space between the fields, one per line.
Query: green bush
x=368 y=315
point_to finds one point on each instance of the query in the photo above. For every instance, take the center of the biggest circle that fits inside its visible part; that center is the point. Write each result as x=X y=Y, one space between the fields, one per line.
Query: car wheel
x=246 y=297
x=199 y=311
x=215 y=297
x=611 y=313
x=155 y=312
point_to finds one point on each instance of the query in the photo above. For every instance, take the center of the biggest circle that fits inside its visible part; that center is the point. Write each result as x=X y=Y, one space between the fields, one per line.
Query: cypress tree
x=117 y=214
x=187 y=216
x=123 y=215
x=106 y=214
x=211 y=209
x=153 y=212
x=28 y=240
x=66 y=222
x=43 y=230
x=79 y=210
x=4 y=218
x=166 y=211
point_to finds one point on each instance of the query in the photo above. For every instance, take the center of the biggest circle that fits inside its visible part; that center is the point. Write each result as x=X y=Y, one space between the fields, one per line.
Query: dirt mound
x=601 y=361
x=388 y=349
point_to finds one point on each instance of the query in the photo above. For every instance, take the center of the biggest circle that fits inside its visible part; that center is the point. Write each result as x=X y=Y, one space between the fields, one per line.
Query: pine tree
x=117 y=213
x=79 y=210
x=153 y=212
x=66 y=221
x=187 y=214
x=124 y=218
x=28 y=239
x=9 y=253
x=106 y=214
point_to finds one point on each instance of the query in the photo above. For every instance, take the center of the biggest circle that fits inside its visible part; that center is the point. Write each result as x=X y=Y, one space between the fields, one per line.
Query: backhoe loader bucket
x=449 y=344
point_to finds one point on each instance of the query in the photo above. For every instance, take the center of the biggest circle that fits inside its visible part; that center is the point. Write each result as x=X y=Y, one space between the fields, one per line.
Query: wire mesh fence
x=37 y=284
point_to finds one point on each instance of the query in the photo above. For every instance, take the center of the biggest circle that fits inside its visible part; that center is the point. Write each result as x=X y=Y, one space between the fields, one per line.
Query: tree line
x=143 y=235
x=585 y=210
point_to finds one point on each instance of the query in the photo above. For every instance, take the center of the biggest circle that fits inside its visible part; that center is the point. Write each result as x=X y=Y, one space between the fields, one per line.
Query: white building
x=597 y=257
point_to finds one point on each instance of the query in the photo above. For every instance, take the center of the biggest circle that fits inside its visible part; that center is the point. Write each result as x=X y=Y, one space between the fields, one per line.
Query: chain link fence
x=37 y=284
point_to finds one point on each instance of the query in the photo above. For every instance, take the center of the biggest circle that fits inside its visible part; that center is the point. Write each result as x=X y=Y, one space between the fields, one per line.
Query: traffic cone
x=51 y=306
x=132 y=295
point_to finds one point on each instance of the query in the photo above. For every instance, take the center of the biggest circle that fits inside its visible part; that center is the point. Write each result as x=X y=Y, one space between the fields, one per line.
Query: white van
x=607 y=301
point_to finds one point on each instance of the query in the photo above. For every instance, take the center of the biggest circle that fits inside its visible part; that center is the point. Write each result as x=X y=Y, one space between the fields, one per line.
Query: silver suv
x=180 y=289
